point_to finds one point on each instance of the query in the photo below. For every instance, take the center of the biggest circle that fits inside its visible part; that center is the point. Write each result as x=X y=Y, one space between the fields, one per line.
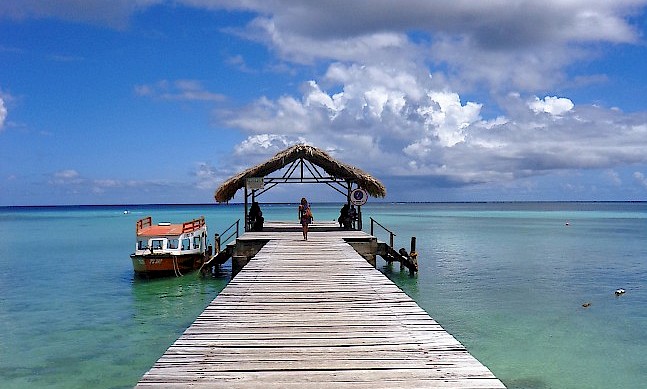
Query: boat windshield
x=157 y=244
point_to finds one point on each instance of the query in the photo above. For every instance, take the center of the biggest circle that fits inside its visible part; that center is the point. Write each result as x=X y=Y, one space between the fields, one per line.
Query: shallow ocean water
x=507 y=279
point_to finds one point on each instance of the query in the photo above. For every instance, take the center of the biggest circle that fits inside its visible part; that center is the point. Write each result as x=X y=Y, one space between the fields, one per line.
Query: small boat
x=169 y=249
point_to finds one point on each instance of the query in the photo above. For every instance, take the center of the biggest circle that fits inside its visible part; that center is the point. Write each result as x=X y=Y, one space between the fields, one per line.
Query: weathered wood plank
x=315 y=314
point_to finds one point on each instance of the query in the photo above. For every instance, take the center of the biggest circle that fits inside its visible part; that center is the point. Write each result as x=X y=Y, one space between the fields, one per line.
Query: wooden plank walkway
x=315 y=314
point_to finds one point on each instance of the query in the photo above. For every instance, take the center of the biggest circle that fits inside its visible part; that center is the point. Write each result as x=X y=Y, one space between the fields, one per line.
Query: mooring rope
x=176 y=267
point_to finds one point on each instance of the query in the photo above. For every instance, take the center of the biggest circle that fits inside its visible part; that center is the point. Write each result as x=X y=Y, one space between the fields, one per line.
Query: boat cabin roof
x=145 y=227
x=164 y=230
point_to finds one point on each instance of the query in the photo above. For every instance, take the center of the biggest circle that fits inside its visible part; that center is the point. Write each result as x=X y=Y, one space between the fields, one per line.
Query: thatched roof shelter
x=331 y=166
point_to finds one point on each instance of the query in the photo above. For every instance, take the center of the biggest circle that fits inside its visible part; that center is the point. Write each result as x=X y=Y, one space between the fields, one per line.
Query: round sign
x=358 y=196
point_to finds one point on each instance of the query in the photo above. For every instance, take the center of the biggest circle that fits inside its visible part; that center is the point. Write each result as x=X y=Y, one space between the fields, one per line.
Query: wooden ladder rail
x=221 y=256
x=389 y=253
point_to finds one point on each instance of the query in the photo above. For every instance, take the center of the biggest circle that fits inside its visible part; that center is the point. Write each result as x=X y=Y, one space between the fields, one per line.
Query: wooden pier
x=315 y=314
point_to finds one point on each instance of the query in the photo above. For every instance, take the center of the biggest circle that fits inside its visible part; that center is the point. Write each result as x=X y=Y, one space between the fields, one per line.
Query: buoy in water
x=619 y=291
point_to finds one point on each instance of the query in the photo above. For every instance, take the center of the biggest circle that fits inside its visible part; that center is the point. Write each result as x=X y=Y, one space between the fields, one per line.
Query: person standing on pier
x=305 y=216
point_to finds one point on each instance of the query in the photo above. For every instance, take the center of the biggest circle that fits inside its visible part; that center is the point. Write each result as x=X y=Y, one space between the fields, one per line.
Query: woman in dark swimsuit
x=305 y=216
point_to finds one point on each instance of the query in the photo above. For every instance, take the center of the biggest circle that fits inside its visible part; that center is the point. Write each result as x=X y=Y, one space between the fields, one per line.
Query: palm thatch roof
x=335 y=168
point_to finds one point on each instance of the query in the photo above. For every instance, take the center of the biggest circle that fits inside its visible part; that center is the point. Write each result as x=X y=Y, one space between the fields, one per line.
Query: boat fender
x=620 y=291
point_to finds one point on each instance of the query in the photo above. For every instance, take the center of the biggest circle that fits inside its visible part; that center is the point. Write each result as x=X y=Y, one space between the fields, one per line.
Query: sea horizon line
x=377 y=202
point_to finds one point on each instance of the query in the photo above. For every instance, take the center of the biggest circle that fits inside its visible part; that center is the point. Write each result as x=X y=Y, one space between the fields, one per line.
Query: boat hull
x=159 y=265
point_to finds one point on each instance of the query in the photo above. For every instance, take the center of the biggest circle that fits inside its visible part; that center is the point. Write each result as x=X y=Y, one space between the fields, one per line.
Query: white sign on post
x=358 y=196
x=255 y=183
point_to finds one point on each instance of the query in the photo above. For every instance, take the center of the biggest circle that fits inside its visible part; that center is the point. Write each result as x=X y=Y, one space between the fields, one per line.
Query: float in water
x=169 y=249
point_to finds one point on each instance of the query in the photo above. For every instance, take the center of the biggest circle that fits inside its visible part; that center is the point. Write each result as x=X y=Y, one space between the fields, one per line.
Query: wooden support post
x=349 y=186
x=413 y=255
x=246 y=216
x=359 y=218
x=248 y=226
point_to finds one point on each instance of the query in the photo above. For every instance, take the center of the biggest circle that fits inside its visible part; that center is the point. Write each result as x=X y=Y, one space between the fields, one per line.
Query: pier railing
x=408 y=259
x=220 y=241
x=391 y=233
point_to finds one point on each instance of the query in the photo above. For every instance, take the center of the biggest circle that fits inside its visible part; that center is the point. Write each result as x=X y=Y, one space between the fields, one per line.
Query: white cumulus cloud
x=397 y=122
x=555 y=106
x=518 y=42
x=444 y=90
x=502 y=42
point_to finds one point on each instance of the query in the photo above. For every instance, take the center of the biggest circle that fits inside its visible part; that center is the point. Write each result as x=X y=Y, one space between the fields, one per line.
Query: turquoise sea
x=507 y=279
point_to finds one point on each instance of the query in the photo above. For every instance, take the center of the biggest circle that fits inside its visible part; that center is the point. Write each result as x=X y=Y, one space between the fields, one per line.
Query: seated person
x=256 y=217
x=343 y=219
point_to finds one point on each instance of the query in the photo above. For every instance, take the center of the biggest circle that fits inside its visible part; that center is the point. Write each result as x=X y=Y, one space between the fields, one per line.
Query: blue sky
x=153 y=101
